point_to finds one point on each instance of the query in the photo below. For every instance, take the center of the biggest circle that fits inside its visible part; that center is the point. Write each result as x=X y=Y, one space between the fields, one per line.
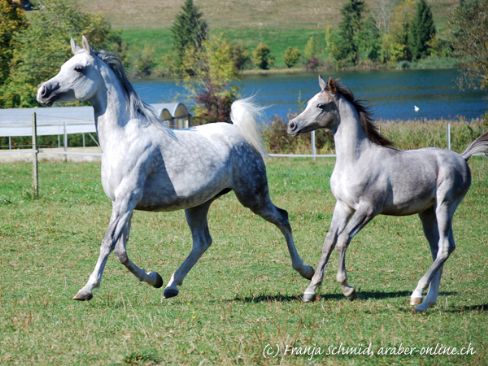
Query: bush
x=291 y=56
x=261 y=56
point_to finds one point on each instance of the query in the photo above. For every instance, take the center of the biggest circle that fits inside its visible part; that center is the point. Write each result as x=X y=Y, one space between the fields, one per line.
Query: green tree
x=470 y=40
x=349 y=31
x=12 y=20
x=189 y=30
x=291 y=56
x=422 y=30
x=40 y=49
x=261 y=56
x=369 y=41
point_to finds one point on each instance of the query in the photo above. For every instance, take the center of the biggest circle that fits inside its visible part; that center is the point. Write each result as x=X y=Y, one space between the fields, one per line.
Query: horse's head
x=321 y=111
x=78 y=79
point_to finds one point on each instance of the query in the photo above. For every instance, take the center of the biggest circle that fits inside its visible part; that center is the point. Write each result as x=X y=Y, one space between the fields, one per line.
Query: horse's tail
x=480 y=145
x=245 y=115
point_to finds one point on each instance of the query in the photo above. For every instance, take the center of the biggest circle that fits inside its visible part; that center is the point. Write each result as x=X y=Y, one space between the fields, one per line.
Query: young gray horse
x=370 y=178
x=146 y=166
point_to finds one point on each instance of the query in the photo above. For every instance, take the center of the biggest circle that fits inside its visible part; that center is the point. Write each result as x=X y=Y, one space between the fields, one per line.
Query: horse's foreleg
x=445 y=247
x=152 y=278
x=197 y=220
x=358 y=220
x=118 y=227
x=339 y=220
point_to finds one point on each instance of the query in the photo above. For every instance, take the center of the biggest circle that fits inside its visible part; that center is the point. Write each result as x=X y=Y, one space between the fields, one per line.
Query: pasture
x=242 y=299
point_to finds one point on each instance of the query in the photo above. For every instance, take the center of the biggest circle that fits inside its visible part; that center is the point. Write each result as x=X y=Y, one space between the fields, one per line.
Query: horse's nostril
x=44 y=91
x=293 y=125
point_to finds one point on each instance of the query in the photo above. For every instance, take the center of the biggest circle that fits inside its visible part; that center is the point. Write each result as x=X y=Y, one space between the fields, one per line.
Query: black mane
x=365 y=116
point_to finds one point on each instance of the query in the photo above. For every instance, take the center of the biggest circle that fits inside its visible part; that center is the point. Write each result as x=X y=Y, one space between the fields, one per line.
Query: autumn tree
x=12 y=20
x=291 y=56
x=261 y=56
x=208 y=76
x=470 y=31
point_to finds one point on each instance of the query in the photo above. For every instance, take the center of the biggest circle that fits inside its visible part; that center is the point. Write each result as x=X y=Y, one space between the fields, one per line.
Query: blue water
x=390 y=94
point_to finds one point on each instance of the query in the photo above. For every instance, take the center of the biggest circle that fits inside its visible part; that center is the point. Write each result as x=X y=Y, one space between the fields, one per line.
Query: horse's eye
x=321 y=106
x=79 y=68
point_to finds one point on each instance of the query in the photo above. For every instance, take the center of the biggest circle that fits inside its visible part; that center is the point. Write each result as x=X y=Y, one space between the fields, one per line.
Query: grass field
x=160 y=40
x=243 y=295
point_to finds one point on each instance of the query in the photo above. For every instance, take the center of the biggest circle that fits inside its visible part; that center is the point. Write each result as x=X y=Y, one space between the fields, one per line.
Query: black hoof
x=159 y=281
x=170 y=292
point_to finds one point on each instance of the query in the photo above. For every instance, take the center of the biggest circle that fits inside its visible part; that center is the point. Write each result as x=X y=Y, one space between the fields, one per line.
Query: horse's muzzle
x=46 y=93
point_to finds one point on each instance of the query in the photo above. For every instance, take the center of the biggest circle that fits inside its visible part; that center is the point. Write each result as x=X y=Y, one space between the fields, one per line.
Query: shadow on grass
x=361 y=295
x=467 y=308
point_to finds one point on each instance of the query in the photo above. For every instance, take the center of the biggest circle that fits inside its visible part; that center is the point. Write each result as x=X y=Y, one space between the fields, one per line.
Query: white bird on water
x=415 y=108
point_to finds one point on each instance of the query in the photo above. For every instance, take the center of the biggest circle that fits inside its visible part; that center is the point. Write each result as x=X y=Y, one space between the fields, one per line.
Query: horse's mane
x=365 y=116
x=137 y=107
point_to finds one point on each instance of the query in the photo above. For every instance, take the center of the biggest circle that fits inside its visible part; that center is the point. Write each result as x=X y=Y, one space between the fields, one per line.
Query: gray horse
x=146 y=166
x=371 y=177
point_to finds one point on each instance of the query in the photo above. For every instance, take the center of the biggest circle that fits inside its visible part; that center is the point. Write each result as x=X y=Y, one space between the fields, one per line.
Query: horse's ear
x=74 y=47
x=85 y=44
x=322 y=83
x=331 y=85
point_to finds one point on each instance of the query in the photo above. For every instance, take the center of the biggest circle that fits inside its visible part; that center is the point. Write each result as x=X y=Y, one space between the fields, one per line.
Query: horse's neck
x=350 y=139
x=111 y=113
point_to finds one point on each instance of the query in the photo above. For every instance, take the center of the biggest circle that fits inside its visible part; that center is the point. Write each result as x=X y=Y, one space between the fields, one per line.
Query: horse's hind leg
x=196 y=218
x=431 y=231
x=260 y=203
x=446 y=246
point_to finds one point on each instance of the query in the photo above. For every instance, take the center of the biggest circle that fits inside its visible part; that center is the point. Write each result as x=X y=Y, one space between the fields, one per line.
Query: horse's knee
x=121 y=255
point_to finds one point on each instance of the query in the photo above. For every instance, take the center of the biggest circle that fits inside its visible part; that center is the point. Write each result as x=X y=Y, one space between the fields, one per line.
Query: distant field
x=243 y=296
x=254 y=14
x=278 y=40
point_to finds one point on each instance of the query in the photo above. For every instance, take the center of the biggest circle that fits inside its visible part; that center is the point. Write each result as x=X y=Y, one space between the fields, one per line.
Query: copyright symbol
x=271 y=351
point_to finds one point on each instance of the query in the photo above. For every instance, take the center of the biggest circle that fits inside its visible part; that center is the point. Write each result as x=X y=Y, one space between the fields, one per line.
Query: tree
x=12 y=20
x=369 y=41
x=43 y=46
x=189 y=30
x=422 y=30
x=349 y=30
x=291 y=56
x=470 y=31
x=211 y=70
x=261 y=56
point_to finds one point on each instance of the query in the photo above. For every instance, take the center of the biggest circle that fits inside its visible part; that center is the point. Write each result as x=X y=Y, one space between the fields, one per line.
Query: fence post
x=10 y=142
x=65 y=142
x=314 y=148
x=449 y=136
x=35 y=163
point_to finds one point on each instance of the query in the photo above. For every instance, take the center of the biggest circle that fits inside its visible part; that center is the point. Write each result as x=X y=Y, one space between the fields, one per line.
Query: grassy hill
x=256 y=14
x=280 y=24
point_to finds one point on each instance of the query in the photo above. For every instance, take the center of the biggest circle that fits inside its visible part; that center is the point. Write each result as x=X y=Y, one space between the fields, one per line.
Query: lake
x=391 y=95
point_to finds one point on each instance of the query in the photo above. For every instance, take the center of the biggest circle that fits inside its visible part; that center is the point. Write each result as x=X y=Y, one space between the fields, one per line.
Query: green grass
x=278 y=40
x=242 y=295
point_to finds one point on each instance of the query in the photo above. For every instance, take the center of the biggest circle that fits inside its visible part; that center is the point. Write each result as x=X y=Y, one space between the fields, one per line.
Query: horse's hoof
x=83 y=296
x=350 y=293
x=170 y=292
x=309 y=297
x=158 y=282
x=415 y=301
x=421 y=308
x=308 y=272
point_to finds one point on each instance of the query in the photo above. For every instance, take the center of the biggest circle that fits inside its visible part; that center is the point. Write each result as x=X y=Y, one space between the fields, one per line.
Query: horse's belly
x=165 y=195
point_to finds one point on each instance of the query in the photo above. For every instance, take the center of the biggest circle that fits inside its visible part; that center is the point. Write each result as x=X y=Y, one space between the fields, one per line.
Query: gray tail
x=478 y=146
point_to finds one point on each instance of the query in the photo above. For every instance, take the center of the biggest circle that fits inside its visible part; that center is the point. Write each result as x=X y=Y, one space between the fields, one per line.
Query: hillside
x=284 y=14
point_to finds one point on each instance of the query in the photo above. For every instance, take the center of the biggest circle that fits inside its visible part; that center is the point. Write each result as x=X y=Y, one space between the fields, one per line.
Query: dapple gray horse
x=146 y=166
x=370 y=177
